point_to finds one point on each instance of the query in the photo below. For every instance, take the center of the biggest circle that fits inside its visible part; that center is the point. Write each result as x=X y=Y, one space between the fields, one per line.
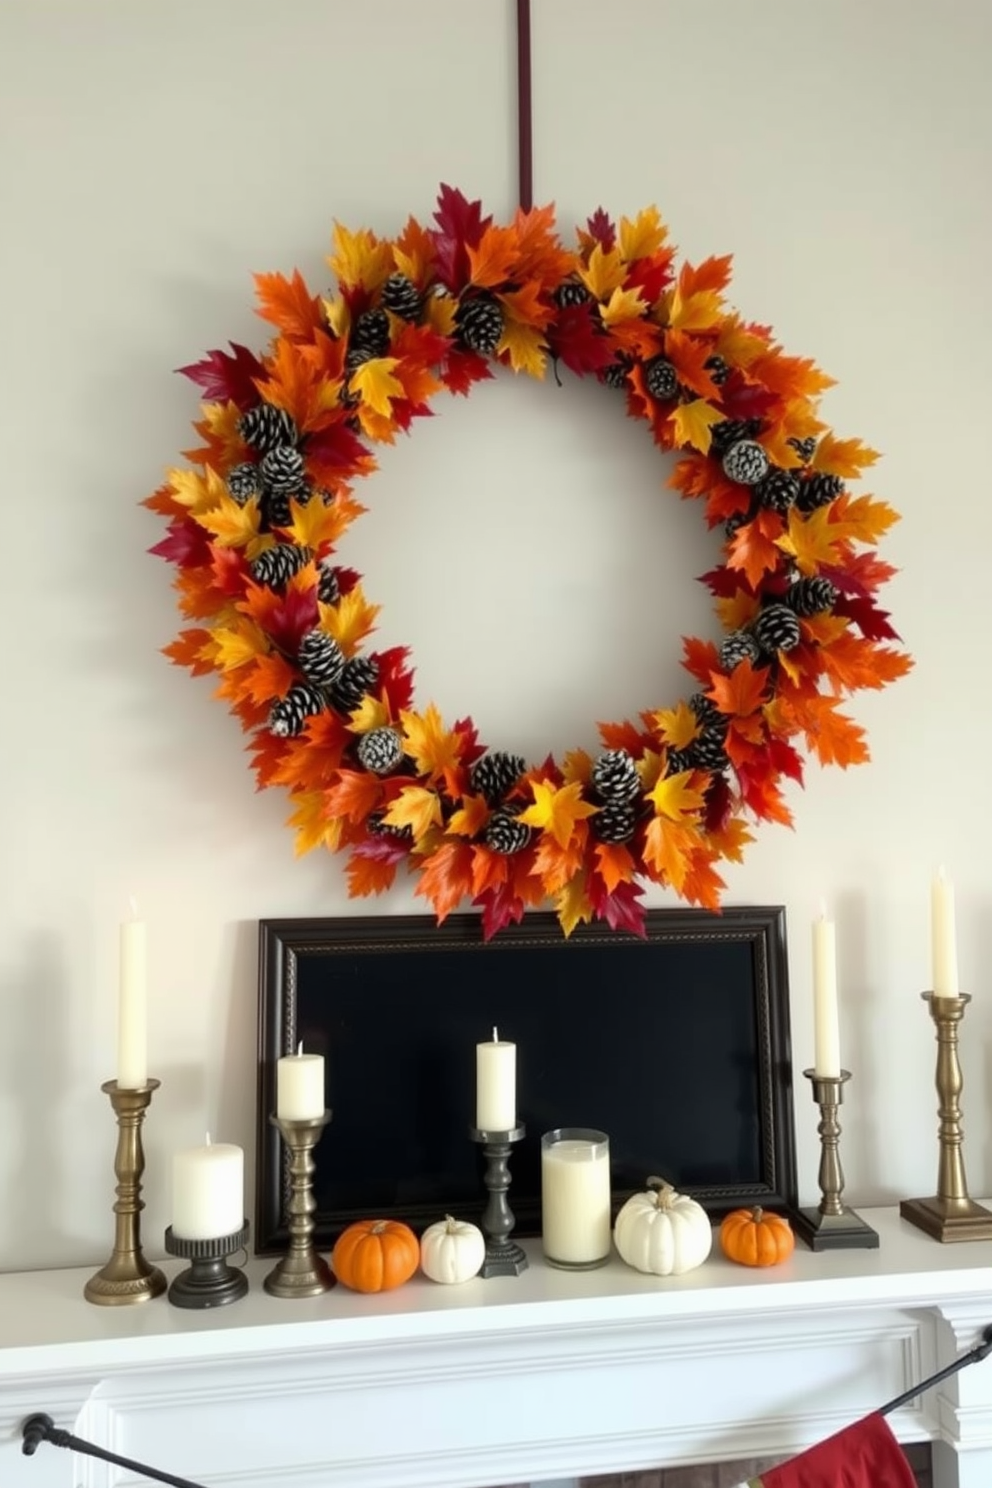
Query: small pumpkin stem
x=664 y=1192
x=451 y=1224
x=757 y=1214
x=378 y=1227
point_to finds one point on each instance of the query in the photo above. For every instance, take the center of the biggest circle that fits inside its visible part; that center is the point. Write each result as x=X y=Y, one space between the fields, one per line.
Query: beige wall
x=153 y=156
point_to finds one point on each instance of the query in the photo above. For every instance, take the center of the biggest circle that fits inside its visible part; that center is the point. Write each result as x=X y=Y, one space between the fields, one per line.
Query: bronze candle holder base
x=301 y=1272
x=832 y=1225
x=127 y=1277
x=504 y=1257
x=950 y=1214
x=208 y=1281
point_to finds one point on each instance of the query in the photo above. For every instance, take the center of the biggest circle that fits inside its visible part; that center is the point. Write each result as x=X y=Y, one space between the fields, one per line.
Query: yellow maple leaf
x=669 y=847
x=642 y=236
x=694 y=422
x=417 y=808
x=844 y=457
x=232 y=525
x=197 y=492
x=572 y=905
x=370 y=714
x=604 y=272
x=678 y=726
x=431 y=746
x=737 y=610
x=577 y=765
x=359 y=260
x=337 y=314
x=322 y=522
x=350 y=620
x=738 y=344
x=649 y=768
x=470 y=818
x=865 y=519
x=695 y=312
x=557 y=810
x=811 y=540
x=676 y=797
x=313 y=826
x=439 y=314
x=376 y=386
x=237 y=644
x=220 y=423
x=623 y=304
x=525 y=347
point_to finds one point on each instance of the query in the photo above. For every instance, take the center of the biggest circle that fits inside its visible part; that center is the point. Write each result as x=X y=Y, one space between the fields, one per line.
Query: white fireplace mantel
x=542 y=1376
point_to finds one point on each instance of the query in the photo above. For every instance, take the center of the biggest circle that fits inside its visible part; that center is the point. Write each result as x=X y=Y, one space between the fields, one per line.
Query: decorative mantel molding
x=546 y=1375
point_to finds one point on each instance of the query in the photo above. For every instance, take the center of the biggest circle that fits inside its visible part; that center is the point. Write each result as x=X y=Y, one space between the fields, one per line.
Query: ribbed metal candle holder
x=301 y=1272
x=504 y=1256
x=208 y=1281
x=127 y=1277
x=950 y=1214
x=832 y=1225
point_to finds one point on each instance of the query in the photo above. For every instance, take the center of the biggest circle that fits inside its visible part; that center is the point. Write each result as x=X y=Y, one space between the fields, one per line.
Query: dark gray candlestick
x=504 y=1256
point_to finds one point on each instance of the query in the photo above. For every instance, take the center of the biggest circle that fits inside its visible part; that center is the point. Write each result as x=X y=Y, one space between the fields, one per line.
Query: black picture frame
x=691 y=1025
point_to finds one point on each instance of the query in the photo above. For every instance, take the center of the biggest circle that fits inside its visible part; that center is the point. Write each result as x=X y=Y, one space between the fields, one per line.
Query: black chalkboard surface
x=676 y=1046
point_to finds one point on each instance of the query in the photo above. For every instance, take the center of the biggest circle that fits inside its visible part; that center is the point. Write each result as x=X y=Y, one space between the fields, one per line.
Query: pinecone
x=402 y=297
x=739 y=646
x=729 y=432
x=321 y=658
x=282 y=471
x=616 y=821
x=718 y=369
x=615 y=375
x=661 y=379
x=778 y=489
x=707 y=752
x=737 y=520
x=276 y=566
x=505 y=834
x=496 y=773
x=328 y=586
x=243 y=482
x=804 y=448
x=677 y=761
x=370 y=333
x=811 y=596
x=818 y=490
x=380 y=750
x=479 y=323
x=265 y=426
x=776 y=628
x=615 y=777
x=708 y=713
x=287 y=717
x=380 y=828
x=745 y=462
x=360 y=675
x=573 y=292
x=275 y=509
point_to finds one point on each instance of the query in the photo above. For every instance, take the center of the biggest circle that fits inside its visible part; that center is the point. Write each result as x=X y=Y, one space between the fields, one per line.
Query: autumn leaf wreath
x=255 y=516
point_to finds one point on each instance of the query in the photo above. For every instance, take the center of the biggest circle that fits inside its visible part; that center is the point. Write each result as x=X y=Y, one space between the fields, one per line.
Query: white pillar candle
x=826 y=1025
x=208 y=1191
x=300 y=1086
x=943 y=942
x=132 y=1035
x=575 y=1197
x=496 y=1085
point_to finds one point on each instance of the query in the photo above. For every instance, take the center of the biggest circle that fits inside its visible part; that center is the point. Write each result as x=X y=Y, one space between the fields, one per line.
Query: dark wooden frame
x=283 y=942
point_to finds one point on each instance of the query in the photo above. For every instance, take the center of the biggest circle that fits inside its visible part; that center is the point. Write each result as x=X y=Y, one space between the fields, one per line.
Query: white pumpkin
x=451 y=1250
x=663 y=1232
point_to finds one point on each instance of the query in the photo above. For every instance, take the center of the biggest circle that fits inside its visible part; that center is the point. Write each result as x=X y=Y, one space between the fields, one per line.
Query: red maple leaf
x=620 y=909
x=395 y=685
x=460 y=225
x=186 y=544
x=700 y=658
x=624 y=736
x=872 y=622
x=602 y=230
x=500 y=907
x=463 y=369
x=651 y=276
x=334 y=451
x=226 y=378
x=861 y=574
x=576 y=339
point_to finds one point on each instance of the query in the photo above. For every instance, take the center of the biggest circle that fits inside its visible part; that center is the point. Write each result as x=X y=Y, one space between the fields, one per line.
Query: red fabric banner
x=865 y=1455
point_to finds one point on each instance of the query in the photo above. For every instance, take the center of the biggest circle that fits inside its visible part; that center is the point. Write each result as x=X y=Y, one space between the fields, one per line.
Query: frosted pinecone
x=360 y=676
x=289 y=714
x=661 y=379
x=402 y=297
x=778 y=489
x=707 y=752
x=615 y=375
x=615 y=777
x=370 y=333
x=737 y=520
x=811 y=596
x=804 y=448
x=708 y=713
x=243 y=482
x=731 y=431
x=276 y=509
x=573 y=292
x=328 y=584
x=745 y=462
x=817 y=490
x=276 y=566
x=265 y=426
x=321 y=658
x=479 y=323
x=282 y=471
x=677 y=761
x=616 y=821
x=718 y=369
x=495 y=774
x=380 y=750
x=505 y=834
x=380 y=828
x=739 y=646
x=776 y=628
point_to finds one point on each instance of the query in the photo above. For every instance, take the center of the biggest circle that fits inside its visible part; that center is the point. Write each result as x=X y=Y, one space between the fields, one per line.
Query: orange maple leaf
x=354 y=795
x=470 y=818
x=540 y=253
x=844 y=457
x=489 y=870
x=433 y=748
x=737 y=610
x=852 y=662
x=712 y=274
x=288 y=304
x=413 y=251
x=491 y=261
x=742 y=693
x=193 y=649
x=812 y=540
x=295 y=385
x=312 y=760
x=699 y=658
x=446 y=878
x=311 y=823
x=864 y=519
x=668 y=849
x=754 y=547
x=269 y=677
x=703 y=885
x=615 y=864
x=833 y=737
x=321 y=523
x=367 y=876
x=557 y=863
x=557 y=810
x=788 y=376
x=688 y=355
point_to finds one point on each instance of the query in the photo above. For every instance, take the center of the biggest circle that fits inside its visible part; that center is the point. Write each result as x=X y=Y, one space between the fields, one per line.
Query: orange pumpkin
x=753 y=1237
x=374 y=1255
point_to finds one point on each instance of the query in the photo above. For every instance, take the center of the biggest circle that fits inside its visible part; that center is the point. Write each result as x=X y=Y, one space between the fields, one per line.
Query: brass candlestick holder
x=301 y=1272
x=832 y=1225
x=127 y=1277
x=950 y=1214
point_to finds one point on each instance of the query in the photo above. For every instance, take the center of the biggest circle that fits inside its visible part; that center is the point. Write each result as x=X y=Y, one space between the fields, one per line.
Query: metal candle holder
x=950 y=1214
x=832 y=1225
x=504 y=1256
x=127 y=1277
x=209 y=1281
x=301 y=1272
